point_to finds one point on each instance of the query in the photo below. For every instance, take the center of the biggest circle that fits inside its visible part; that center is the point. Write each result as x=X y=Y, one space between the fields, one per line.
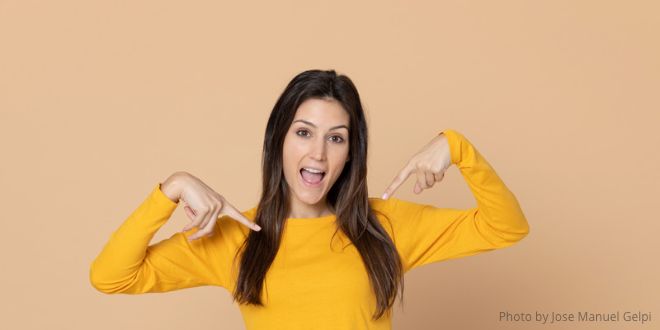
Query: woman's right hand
x=204 y=206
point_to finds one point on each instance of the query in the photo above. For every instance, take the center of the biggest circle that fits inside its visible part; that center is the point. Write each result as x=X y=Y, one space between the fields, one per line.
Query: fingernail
x=384 y=196
x=257 y=227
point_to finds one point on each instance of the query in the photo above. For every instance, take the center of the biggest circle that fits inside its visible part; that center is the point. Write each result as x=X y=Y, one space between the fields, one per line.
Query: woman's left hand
x=429 y=164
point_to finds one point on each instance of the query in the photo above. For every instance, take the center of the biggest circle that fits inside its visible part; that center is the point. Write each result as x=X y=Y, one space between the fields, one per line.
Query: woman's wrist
x=172 y=186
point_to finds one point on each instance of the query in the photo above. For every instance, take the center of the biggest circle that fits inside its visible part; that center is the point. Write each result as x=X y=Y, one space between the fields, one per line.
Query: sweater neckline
x=304 y=221
x=316 y=220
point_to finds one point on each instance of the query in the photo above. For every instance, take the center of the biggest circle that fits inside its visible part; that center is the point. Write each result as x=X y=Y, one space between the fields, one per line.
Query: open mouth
x=310 y=178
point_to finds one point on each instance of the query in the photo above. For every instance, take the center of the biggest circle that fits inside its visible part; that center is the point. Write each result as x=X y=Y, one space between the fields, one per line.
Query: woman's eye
x=338 y=139
x=341 y=139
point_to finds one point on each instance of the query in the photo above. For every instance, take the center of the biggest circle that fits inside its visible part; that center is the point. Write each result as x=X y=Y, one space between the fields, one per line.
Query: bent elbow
x=100 y=288
x=523 y=231
x=510 y=231
x=513 y=234
x=97 y=281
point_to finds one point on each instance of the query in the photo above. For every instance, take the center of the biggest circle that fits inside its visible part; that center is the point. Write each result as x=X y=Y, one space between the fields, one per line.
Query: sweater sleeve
x=128 y=264
x=424 y=234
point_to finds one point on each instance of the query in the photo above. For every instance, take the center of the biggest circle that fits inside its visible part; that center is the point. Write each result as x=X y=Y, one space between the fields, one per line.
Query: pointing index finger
x=232 y=212
x=398 y=180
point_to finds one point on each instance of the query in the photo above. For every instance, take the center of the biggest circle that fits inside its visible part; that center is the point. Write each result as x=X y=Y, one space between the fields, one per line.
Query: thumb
x=189 y=212
x=418 y=188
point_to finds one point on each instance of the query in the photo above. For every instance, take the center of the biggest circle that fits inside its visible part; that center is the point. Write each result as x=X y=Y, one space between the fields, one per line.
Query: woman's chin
x=311 y=198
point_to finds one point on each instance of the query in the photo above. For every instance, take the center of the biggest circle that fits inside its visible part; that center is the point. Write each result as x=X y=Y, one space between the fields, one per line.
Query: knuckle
x=181 y=173
x=214 y=207
x=219 y=198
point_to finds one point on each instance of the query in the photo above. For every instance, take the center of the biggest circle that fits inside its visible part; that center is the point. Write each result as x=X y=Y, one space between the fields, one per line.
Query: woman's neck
x=302 y=210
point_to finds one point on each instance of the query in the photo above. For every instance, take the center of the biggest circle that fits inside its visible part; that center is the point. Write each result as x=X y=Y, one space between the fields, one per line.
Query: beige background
x=99 y=101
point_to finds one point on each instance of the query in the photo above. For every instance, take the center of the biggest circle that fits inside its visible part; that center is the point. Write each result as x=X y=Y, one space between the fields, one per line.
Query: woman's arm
x=424 y=233
x=127 y=264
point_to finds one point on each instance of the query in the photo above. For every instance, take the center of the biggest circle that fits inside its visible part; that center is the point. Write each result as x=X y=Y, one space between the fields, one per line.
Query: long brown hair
x=347 y=198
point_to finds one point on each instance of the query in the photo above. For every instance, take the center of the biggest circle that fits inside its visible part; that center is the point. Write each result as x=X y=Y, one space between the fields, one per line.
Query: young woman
x=316 y=252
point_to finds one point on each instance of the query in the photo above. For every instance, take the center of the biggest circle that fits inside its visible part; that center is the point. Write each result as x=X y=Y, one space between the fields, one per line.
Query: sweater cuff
x=453 y=138
x=159 y=197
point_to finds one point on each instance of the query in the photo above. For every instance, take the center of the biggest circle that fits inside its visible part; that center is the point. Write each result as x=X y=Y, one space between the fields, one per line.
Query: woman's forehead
x=322 y=113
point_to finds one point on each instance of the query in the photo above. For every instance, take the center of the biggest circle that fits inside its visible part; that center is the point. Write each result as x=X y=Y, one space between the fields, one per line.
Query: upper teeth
x=312 y=170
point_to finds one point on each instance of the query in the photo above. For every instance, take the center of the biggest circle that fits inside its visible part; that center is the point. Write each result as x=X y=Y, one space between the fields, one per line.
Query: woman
x=316 y=252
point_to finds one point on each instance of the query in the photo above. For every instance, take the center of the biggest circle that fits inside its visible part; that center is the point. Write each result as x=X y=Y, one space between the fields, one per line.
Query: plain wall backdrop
x=99 y=101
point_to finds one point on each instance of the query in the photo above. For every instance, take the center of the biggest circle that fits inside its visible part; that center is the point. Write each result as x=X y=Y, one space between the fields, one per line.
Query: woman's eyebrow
x=331 y=128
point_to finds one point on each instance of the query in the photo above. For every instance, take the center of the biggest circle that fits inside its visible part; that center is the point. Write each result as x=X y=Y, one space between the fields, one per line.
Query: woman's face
x=317 y=139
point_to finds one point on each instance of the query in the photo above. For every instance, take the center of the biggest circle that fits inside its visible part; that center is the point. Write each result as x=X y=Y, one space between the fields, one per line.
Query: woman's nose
x=318 y=149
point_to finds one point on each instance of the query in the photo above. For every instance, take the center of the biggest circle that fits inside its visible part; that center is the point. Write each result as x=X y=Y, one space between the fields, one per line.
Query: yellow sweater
x=312 y=284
